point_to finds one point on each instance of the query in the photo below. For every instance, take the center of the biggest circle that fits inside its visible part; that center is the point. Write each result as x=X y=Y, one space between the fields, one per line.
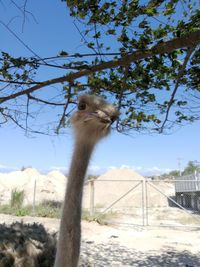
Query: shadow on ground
x=114 y=255
x=30 y=245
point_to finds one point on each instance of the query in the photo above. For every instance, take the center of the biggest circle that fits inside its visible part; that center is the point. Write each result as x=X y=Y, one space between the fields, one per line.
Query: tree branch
x=20 y=83
x=180 y=74
x=78 y=55
x=45 y=102
x=191 y=40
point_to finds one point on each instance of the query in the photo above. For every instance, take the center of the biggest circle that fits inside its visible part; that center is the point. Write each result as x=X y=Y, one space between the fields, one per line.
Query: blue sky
x=53 y=32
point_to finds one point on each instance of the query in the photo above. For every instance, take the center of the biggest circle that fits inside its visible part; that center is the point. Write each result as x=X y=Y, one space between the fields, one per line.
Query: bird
x=91 y=122
x=26 y=245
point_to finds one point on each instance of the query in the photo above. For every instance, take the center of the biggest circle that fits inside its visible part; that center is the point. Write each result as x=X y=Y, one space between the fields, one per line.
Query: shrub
x=101 y=218
x=17 y=198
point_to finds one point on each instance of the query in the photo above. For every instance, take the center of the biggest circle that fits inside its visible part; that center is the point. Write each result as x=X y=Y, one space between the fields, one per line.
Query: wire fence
x=144 y=202
x=136 y=202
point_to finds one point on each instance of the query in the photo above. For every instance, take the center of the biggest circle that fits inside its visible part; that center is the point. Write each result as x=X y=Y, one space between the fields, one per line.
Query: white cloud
x=98 y=170
x=58 y=168
x=124 y=166
x=112 y=167
x=94 y=168
x=167 y=170
x=137 y=168
x=155 y=170
x=6 y=169
x=3 y=166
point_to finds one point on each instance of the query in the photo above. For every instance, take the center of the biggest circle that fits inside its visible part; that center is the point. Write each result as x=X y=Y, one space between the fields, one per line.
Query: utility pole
x=179 y=160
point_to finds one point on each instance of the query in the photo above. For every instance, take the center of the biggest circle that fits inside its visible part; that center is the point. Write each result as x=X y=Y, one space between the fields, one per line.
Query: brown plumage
x=26 y=245
x=91 y=122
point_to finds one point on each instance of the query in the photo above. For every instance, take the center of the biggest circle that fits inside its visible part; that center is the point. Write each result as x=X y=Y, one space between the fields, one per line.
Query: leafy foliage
x=154 y=92
x=191 y=167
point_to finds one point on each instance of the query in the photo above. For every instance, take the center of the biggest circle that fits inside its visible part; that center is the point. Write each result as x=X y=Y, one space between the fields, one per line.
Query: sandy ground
x=146 y=246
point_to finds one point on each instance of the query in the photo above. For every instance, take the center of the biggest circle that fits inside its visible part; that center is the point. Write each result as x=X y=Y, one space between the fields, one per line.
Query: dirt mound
x=121 y=174
x=48 y=187
x=127 y=189
x=123 y=185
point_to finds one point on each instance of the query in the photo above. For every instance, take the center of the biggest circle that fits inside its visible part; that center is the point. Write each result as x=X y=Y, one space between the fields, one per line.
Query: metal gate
x=139 y=202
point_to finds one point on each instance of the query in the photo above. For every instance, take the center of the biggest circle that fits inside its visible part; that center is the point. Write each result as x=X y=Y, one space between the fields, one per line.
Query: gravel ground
x=113 y=255
x=116 y=246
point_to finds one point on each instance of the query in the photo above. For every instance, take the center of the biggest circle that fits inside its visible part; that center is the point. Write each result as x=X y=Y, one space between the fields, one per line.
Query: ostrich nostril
x=106 y=120
x=113 y=119
x=103 y=116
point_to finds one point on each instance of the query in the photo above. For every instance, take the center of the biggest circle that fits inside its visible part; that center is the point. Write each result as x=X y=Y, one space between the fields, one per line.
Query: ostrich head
x=93 y=118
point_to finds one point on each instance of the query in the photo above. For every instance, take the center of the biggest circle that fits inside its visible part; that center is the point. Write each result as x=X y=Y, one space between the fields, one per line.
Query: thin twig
x=20 y=40
x=86 y=42
x=78 y=55
x=62 y=120
x=20 y=9
x=24 y=14
x=27 y=113
x=126 y=70
x=97 y=41
x=20 y=83
x=46 y=102
x=180 y=74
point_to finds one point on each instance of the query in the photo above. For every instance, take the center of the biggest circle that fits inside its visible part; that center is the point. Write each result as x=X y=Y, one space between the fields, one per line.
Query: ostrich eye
x=113 y=119
x=82 y=106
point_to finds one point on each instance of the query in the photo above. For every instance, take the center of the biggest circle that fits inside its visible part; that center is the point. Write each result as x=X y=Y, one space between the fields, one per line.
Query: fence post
x=146 y=202
x=143 y=203
x=92 y=198
x=196 y=182
x=34 y=194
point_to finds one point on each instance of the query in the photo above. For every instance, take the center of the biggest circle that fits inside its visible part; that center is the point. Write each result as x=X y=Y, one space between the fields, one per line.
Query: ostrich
x=30 y=245
x=91 y=122
x=26 y=245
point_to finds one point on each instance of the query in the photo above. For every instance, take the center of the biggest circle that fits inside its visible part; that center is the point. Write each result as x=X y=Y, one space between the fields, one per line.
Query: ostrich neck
x=80 y=160
x=68 y=247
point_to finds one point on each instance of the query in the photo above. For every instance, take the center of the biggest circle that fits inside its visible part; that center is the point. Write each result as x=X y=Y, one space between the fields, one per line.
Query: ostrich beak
x=101 y=115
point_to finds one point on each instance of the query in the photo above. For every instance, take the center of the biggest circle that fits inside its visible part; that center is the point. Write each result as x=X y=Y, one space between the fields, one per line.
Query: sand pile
x=48 y=187
x=130 y=187
x=116 y=183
